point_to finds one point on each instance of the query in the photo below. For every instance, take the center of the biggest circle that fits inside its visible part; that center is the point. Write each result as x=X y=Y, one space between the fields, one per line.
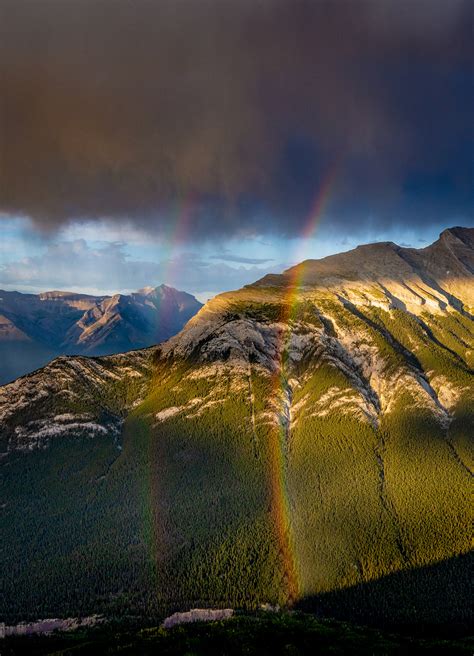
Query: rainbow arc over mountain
x=282 y=510
x=280 y=437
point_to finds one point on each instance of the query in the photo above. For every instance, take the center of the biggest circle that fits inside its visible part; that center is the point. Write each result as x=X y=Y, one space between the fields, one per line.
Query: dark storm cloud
x=128 y=109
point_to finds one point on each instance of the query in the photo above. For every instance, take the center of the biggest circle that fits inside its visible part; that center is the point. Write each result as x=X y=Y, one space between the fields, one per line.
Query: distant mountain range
x=34 y=328
x=304 y=441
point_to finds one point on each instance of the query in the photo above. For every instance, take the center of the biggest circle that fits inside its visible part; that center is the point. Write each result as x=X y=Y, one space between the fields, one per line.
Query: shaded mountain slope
x=310 y=433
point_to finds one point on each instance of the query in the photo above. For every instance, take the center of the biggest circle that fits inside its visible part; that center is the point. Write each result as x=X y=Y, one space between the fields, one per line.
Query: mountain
x=36 y=328
x=304 y=441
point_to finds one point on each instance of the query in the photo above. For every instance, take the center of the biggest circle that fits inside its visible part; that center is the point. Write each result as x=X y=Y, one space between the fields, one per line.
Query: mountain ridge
x=61 y=322
x=293 y=440
x=370 y=262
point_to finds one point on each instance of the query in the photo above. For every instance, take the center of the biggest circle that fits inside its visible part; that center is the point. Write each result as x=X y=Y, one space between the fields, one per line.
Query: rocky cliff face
x=309 y=433
x=73 y=396
x=385 y=318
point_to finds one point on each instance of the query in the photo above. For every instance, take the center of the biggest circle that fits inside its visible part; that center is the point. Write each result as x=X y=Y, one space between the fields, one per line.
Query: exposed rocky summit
x=434 y=277
x=348 y=310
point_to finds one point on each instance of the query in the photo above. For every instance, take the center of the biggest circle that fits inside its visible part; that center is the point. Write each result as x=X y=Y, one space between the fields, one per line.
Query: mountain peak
x=159 y=289
x=465 y=235
x=450 y=258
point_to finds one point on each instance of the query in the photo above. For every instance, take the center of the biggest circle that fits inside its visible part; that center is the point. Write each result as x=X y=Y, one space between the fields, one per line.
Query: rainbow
x=282 y=512
x=311 y=224
x=279 y=438
x=174 y=238
x=178 y=233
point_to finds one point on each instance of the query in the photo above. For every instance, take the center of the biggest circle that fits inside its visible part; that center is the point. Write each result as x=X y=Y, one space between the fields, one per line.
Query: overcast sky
x=204 y=143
